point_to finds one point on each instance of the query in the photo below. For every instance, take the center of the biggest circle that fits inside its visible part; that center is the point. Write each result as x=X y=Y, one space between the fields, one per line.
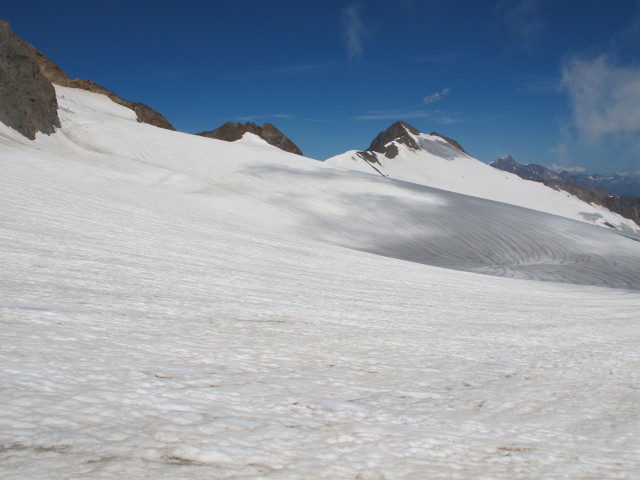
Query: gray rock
x=27 y=99
x=396 y=132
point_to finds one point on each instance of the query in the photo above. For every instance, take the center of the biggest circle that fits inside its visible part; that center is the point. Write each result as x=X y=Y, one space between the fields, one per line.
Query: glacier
x=180 y=307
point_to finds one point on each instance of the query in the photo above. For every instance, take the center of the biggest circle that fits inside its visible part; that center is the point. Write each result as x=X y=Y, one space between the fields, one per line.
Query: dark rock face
x=51 y=73
x=232 y=131
x=27 y=99
x=398 y=133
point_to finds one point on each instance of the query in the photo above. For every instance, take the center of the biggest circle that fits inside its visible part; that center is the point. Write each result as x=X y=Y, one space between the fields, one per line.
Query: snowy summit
x=404 y=153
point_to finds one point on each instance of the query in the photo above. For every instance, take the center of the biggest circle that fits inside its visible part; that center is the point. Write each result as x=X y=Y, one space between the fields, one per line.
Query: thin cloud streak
x=560 y=169
x=353 y=31
x=436 y=96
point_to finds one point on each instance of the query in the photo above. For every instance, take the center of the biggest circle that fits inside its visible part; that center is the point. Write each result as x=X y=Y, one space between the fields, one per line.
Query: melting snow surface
x=180 y=307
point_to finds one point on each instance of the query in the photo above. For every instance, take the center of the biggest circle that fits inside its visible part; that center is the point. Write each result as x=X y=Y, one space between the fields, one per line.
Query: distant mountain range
x=617 y=184
x=607 y=191
x=623 y=184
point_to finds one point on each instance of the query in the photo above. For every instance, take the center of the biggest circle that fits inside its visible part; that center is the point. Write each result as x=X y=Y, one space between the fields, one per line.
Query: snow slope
x=179 y=307
x=438 y=164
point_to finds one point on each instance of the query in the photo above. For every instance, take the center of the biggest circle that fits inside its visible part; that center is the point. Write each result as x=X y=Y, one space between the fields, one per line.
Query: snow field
x=183 y=308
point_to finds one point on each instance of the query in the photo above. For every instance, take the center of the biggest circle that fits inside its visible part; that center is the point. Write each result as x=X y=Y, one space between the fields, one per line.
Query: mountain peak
x=232 y=131
x=506 y=162
x=400 y=132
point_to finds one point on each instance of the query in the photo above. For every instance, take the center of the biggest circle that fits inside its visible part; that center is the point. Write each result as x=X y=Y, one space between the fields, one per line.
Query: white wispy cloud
x=434 y=97
x=605 y=97
x=353 y=30
x=415 y=111
x=560 y=169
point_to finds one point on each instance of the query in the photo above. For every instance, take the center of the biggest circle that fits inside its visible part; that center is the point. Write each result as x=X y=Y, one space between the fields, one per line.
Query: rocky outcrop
x=51 y=73
x=398 y=132
x=232 y=131
x=27 y=99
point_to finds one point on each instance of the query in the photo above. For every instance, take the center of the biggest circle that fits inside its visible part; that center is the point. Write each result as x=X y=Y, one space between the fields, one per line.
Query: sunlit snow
x=180 y=307
x=438 y=164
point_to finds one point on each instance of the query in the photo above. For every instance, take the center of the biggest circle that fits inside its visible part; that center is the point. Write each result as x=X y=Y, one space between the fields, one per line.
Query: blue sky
x=549 y=82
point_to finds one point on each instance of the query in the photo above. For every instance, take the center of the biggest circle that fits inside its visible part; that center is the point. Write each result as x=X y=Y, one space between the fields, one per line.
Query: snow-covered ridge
x=430 y=160
x=256 y=187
